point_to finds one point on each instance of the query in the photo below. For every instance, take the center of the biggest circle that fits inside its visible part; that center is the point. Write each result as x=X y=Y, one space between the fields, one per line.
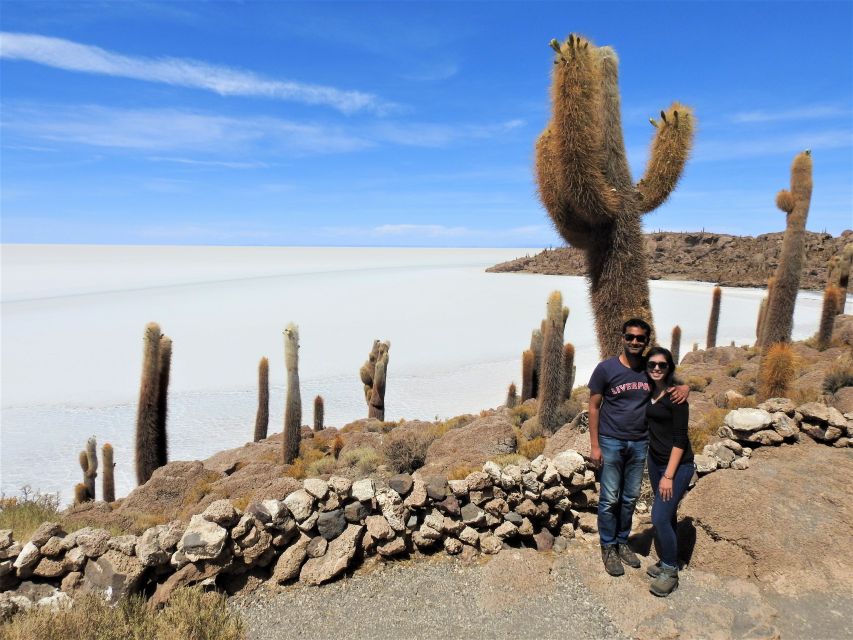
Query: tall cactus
x=714 y=319
x=86 y=493
x=795 y=203
x=368 y=370
x=319 y=410
x=108 y=481
x=511 y=396
x=262 y=416
x=293 y=403
x=376 y=405
x=844 y=273
x=551 y=388
x=146 y=413
x=832 y=300
x=527 y=362
x=164 y=371
x=91 y=471
x=586 y=186
x=569 y=369
x=536 y=348
x=762 y=313
x=675 y=343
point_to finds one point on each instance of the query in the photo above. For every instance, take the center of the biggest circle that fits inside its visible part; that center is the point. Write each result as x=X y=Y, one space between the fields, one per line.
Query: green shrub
x=363 y=459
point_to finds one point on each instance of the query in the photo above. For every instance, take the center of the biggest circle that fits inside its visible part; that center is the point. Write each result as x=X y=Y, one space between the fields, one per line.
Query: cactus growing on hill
x=795 y=203
x=776 y=372
x=108 y=481
x=551 y=388
x=832 y=301
x=675 y=343
x=146 y=414
x=164 y=370
x=369 y=377
x=368 y=369
x=86 y=494
x=318 y=413
x=91 y=470
x=714 y=319
x=262 y=417
x=511 y=396
x=586 y=186
x=81 y=494
x=536 y=338
x=376 y=405
x=569 y=368
x=833 y=271
x=844 y=272
x=527 y=362
x=762 y=313
x=293 y=403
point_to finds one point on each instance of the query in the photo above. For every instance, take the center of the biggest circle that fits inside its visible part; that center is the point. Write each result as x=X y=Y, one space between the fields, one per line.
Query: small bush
x=337 y=445
x=322 y=466
x=507 y=459
x=190 y=614
x=530 y=449
x=838 y=376
x=704 y=432
x=295 y=470
x=697 y=383
x=521 y=413
x=25 y=513
x=363 y=459
x=778 y=368
x=406 y=450
x=461 y=471
x=733 y=369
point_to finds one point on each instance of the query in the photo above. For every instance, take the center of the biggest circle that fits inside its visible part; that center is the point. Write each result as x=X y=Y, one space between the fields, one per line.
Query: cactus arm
x=616 y=167
x=578 y=124
x=670 y=150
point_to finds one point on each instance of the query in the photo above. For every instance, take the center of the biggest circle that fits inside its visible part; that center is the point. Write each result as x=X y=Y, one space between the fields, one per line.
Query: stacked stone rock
x=314 y=534
x=773 y=422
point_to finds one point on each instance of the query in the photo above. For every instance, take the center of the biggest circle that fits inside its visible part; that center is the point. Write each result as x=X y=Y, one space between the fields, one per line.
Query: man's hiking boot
x=628 y=557
x=653 y=570
x=665 y=583
x=612 y=563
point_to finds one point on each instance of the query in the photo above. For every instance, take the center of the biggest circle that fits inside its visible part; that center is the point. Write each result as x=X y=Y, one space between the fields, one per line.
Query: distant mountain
x=732 y=261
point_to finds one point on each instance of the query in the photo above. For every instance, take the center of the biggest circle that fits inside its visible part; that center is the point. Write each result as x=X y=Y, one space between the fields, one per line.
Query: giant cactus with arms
x=586 y=185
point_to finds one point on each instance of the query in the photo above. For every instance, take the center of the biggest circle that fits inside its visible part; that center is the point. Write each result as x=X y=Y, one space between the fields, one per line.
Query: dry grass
x=461 y=471
x=734 y=368
x=508 y=459
x=322 y=466
x=521 y=413
x=363 y=459
x=838 y=376
x=406 y=450
x=704 y=432
x=530 y=449
x=697 y=383
x=190 y=615
x=802 y=395
x=23 y=514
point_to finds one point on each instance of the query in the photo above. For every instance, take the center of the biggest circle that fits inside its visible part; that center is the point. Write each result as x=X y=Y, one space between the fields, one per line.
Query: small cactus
x=293 y=404
x=91 y=470
x=832 y=300
x=262 y=417
x=776 y=371
x=511 y=396
x=714 y=319
x=146 y=415
x=551 y=388
x=318 y=413
x=527 y=362
x=536 y=339
x=108 y=480
x=569 y=370
x=675 y=343
x=86 y=495
x=376 y=407
x=81 y=494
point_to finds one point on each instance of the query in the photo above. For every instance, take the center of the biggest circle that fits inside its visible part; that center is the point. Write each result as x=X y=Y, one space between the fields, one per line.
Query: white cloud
x=810 y=112
x=422 y=134
x=225 y=164
x=422 y=231
x=73 y=56
x=708 y=150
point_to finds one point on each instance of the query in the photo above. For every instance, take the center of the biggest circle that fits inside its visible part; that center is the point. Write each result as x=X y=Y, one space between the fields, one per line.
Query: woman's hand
x=665 y=489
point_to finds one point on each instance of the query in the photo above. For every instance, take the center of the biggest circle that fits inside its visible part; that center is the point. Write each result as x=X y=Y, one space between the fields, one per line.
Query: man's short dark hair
x=637 y=322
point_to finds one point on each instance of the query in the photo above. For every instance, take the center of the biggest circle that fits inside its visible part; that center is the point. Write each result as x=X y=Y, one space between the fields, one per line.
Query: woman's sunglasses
x=651 y=366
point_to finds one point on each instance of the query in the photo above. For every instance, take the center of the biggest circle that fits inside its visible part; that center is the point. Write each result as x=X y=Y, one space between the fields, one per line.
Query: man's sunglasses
x=633 y=337
x=651 y=366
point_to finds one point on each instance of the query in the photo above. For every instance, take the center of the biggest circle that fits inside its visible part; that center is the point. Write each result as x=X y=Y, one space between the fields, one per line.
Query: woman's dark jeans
x=664 y=513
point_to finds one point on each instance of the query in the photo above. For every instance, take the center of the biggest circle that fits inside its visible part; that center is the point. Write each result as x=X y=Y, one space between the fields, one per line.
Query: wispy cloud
x=424 y=231
x=810 y=112
x=710 y=150
x=225 y=164
x=74 y=56
x=419 y=134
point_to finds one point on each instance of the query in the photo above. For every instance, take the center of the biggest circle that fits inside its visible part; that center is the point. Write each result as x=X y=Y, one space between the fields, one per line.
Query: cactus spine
x=795 y=203
x=569 y=369
x=675 y=343
x=262 y=417
x=318 y=413
x=146 y=415
x=586 y=186
x=527 y=362
x=832 y=300
x=293 y=403
x=376 y=408
x=714 y=319
x=551 y=388
x=108 y=481
x=511 y=396
x=164 y=370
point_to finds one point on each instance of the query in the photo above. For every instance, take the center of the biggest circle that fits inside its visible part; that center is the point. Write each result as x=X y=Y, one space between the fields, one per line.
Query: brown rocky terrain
x=732 y=261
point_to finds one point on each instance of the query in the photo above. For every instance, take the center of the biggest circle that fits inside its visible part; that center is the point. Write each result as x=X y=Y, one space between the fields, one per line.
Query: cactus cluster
x=373 y=374
x=151 y=441
x=293 y=401
x=88 y=458
x=585 y=183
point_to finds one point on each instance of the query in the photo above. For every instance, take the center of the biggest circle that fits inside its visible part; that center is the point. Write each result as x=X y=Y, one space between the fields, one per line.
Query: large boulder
x=568 y=437
x=336 y=560
x=113 y=574
x=170 y=489
x=471 y=445
x=203 y=540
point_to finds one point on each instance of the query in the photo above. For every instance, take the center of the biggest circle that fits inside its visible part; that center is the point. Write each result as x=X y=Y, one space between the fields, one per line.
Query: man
x=619 y=393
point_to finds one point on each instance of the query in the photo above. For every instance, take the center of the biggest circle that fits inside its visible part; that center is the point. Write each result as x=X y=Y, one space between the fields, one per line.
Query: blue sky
x=407 y=123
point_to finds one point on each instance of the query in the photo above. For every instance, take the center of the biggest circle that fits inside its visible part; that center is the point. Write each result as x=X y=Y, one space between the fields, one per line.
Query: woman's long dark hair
x=666 y=353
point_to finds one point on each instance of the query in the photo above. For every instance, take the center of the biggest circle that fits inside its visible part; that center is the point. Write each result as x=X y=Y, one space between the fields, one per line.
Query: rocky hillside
x=733 y=261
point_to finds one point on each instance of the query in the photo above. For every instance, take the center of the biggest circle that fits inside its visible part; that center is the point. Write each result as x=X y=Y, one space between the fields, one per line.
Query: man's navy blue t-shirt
x=625 y=393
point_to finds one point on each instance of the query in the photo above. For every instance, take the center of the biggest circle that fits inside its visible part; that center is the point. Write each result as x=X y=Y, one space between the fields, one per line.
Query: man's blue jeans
x=621 y=477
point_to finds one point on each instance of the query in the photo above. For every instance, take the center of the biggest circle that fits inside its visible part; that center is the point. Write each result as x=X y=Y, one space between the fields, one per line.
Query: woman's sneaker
x=665 y=583
x=653 y=570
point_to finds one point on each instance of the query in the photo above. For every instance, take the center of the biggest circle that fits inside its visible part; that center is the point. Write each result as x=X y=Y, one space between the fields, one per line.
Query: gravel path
x=436 y=597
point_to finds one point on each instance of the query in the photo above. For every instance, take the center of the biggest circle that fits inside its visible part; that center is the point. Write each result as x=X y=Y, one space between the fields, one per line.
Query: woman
x=671 y=467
